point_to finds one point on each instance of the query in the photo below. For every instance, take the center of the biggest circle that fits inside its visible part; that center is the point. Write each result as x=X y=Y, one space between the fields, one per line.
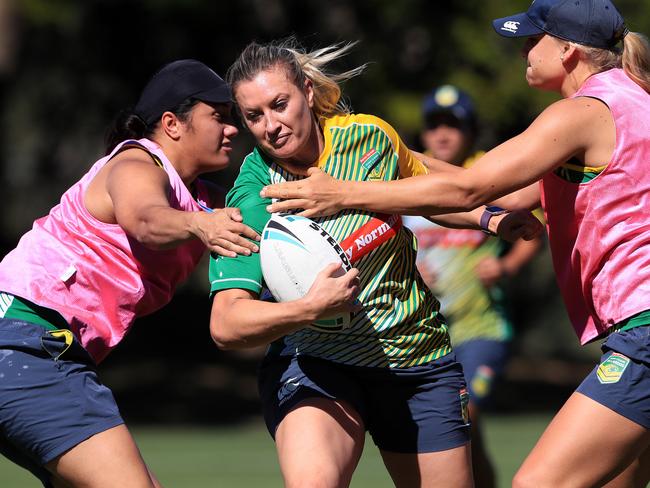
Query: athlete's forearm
x=460 y=220
x=436 y=165
x=244 y=323
x=420 y=195
x=162 y=227
x=526 y=198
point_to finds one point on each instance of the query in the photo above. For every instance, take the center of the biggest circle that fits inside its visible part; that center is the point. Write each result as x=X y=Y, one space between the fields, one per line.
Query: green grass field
x=244 y=456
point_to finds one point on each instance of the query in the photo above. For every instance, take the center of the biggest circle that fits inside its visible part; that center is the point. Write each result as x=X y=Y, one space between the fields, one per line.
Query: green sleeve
x=243 y=272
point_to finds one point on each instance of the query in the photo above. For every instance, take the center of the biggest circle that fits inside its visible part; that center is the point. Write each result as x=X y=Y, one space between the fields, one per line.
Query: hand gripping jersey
x=96 y=276
x=399 y=325
x=599 y=230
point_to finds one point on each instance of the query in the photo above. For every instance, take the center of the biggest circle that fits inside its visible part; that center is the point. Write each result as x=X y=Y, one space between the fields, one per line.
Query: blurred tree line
x=68 y=66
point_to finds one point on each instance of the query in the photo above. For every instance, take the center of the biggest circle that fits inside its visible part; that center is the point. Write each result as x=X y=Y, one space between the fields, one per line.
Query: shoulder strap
x=132 y=144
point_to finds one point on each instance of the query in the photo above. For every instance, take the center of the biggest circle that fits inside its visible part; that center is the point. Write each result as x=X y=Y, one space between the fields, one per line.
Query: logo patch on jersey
x=369 y=159
x=377 y=173
x=373 y=234
x=369 y=162
x=612 y=368
x=464 y=405
x=482 y=381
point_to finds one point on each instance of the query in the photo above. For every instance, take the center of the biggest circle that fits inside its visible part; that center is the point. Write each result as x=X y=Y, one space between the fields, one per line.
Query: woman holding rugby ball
x=392 y=372
x=590 y=151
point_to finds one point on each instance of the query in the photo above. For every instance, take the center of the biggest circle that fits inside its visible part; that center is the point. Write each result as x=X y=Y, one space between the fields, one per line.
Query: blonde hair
x=633 y=57
x=300 y=66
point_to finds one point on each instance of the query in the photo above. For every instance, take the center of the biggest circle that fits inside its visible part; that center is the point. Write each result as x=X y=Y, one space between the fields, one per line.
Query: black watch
x=489 y=212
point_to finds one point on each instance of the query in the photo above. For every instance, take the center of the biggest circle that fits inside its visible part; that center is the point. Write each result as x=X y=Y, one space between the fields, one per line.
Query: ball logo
x=293 y=251
x=335 y=245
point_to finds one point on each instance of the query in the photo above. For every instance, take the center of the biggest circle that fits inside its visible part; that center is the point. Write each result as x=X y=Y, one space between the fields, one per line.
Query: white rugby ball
x=293 y=250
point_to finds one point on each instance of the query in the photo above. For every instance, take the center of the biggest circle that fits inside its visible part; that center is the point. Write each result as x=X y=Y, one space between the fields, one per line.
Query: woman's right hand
x=318 y=195
x=222 y=232
x=331 y=293
x=518 y=224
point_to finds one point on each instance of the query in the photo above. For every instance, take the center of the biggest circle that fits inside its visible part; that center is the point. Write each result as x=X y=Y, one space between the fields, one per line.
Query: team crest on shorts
x=464 y=404
x=482 y=381
x=612 y=368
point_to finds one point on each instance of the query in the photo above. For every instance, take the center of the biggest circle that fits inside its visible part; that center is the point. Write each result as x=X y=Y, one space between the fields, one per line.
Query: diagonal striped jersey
x=399 y=325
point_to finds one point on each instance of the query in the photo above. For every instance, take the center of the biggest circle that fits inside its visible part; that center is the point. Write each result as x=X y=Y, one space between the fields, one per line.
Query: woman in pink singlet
x=586 y=158
x=113 y=249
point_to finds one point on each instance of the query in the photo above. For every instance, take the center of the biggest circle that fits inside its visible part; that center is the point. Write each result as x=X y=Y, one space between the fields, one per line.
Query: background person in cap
x=464 y=268
x=113 y=249
x=591 y=151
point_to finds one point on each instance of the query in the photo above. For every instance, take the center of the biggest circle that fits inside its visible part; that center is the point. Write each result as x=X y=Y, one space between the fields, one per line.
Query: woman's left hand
x=489 y=270
x=515 y=225
x=318 y=195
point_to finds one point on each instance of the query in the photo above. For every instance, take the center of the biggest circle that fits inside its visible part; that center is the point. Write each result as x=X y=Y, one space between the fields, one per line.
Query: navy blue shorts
x=621 y=381
x=50 y=396
x=484 y=362
x=410 y=410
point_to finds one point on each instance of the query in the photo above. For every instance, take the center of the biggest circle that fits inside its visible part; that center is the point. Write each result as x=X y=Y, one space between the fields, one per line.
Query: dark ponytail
x=126 y=125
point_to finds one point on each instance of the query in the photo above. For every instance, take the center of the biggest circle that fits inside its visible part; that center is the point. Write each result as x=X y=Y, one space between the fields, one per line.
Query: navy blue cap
x=175 y=83
x=447 y=99
x=595 y=23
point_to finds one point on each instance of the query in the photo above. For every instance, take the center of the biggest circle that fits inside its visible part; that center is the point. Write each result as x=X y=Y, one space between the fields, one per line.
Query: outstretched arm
x=135 y=196
x=511 y=226
x=563 y=130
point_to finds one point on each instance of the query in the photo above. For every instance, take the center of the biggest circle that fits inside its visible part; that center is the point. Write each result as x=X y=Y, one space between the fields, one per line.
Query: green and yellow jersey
x=450 y=257
x=399 y=325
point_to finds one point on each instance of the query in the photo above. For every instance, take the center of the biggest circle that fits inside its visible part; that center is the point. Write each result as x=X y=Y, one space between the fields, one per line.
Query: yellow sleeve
x=409 y=165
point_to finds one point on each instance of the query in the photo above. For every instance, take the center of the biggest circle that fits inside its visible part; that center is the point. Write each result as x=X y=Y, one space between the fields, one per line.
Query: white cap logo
x=510 y=26
x=446 y=96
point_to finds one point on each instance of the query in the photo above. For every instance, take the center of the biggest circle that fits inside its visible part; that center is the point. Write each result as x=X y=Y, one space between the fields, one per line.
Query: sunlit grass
x=244 y=456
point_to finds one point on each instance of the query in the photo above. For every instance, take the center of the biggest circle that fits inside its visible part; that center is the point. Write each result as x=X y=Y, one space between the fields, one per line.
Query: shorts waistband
x=24 y=327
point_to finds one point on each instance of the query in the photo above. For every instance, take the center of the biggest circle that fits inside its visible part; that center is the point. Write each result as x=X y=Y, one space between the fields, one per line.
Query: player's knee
x=526 y=478
x=322 y=474
x=315 y=479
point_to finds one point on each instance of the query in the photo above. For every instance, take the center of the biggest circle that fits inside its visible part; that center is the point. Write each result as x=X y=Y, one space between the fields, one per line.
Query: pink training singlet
x=599 y=231
x=95 y=275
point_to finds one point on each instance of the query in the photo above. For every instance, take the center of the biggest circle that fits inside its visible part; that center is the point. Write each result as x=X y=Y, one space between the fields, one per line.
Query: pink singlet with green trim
x=599 y=230
x=95 y=275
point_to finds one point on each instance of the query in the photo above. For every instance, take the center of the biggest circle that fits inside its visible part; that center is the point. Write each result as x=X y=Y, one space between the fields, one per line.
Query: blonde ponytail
x=633 y=57
x=327 y=90
x=636 y=59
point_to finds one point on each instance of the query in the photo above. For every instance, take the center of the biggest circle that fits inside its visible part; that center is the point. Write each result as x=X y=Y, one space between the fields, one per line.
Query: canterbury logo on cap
x=510 y=26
